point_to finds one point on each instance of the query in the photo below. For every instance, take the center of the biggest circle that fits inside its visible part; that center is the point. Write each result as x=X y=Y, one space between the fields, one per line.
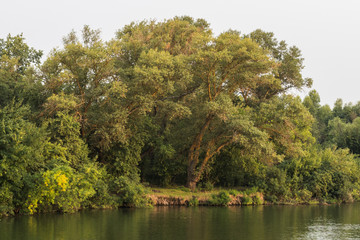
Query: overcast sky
x=326 y=31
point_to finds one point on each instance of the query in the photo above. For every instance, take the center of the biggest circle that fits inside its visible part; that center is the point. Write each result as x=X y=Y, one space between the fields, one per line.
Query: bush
x=246 y=200
x=59 y=189
x=271 y=198
x=221 y=199
x=250 y=191
x=207 y=186
x=355 y=194
x=131 y=193
x=234 y=192
x=305 y=195
x=257 y=200
x=66 y=189
x=6 y=201
x=193 y=202
x=276 y=183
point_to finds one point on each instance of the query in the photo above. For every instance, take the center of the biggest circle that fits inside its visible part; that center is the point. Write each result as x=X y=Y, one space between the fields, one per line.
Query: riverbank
x=180 y=196
x=218 y=197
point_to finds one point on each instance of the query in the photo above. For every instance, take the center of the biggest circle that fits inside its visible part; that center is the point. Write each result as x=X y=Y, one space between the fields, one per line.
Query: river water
x=195 y=223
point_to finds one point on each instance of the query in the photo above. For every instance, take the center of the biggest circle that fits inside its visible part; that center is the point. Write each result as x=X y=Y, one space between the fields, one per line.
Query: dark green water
x=205 y=223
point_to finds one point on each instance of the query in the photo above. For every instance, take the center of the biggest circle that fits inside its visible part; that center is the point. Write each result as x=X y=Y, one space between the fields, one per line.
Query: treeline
x=166 y=103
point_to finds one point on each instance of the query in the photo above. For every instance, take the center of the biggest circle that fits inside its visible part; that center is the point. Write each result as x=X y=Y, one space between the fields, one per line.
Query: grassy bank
x=181 y=196
x=216 y=197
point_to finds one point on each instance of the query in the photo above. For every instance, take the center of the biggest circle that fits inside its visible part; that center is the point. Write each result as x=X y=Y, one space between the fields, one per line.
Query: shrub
x=234 y=192
x=193 y=202
x=207 y=186
x=250 y=191
x=6 y=201
x=131 y=193
x=246 y=200
x=59 y=189
x=355 y=194
x=305 y=195
x=257 y=200
x=271 y=198
x=221 y=199
x=276 y=183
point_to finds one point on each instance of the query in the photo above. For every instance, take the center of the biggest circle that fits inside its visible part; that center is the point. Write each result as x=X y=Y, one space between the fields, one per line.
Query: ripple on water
x=327 y=229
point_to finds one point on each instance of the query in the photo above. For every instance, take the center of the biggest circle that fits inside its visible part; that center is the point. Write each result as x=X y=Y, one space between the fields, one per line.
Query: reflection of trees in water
x=206 y=223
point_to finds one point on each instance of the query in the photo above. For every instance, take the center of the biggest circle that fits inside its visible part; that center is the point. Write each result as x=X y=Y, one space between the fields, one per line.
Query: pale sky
x=326 y=31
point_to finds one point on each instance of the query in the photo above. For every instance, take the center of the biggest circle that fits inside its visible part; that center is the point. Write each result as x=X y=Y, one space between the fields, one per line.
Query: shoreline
x=220 y=197
x=180 y=196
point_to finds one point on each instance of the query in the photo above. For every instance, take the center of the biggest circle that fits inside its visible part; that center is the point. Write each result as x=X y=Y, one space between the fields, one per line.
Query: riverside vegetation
x=163 y=104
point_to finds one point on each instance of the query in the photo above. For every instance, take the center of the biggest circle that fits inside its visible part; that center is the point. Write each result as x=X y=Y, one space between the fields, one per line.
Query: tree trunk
x=191 y=184
x=193 y=157
x=191 y=177
x=194 y=175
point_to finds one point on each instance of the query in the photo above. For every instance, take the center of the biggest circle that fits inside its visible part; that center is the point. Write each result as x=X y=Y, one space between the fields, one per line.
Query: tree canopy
x=164 y=103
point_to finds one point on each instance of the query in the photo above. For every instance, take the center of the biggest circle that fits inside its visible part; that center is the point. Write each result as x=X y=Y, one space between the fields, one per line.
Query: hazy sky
x=326 y=31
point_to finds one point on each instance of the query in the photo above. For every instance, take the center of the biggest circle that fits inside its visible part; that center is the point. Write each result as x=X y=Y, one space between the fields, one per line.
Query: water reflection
x=262 y=222
x=328 y=229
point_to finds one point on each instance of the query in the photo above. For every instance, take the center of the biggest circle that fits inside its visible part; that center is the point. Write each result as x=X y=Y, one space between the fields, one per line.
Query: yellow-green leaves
x=59 y=189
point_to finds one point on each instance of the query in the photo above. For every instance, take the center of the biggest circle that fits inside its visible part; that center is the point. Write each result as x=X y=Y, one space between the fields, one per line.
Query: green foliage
x=206 y=186
x=345 y=135
x=276 y=184
x=15 y=47
x=82 y=78
x=193 y=202
x=234 y=192
x=271 y=198
x=323 y=175
x=59 y=189
x=65 y=130
x=185 y=189
x=251 y=191
x=220 y=199
x=288 y=123
x=167 y=103
x=236 y=166
x=67 y=190
x=305 y=195
x=6 y=200
x=131 y=194
x=23 y=151
x=246 y=200
x=18 y=78
x=257 y=200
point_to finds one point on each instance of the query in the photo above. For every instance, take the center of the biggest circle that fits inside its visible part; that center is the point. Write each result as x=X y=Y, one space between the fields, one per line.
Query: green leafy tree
x=190 y=82
x=288 y=124
x=18 y=76
x=345 y=135
x=23 y=151
x=83 y=73
x=321 y=114
x=87 y=90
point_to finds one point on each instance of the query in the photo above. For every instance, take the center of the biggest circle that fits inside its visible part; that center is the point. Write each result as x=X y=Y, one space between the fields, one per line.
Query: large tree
x=84 y=82
x=200 y=88
x=18 y=80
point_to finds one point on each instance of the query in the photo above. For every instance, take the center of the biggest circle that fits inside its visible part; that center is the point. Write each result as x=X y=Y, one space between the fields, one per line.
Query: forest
x=167 y=103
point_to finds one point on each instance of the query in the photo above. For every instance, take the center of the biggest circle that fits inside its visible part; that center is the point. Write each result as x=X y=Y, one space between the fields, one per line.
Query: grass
x=248 y=196
x=210 y=196
x=182 y=192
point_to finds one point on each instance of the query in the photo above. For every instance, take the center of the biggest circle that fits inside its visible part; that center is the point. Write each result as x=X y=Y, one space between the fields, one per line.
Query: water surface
x=205 y=223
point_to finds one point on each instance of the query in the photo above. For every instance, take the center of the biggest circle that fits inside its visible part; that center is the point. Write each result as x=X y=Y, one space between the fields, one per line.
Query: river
x=203 y=223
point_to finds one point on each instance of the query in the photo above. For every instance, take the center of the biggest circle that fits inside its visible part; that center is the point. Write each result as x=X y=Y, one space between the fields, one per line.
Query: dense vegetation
x=166 y=103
